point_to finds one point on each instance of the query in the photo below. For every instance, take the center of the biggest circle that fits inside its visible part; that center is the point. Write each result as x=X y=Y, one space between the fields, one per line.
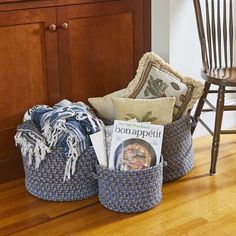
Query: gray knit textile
x=177 y=149
x=46 y=182
x=130 y=191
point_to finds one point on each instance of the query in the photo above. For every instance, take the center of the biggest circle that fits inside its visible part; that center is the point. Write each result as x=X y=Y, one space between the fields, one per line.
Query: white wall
x=182 y=46
x=160 y=28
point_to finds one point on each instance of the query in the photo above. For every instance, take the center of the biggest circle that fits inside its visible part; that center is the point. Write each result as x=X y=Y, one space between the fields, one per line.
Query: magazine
x=101 y=142
x=135 y=146
x=99 y=145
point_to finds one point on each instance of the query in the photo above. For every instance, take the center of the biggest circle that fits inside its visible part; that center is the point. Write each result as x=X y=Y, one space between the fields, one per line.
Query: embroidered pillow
x=157 y=111
x=104 y=106
x=155 y=78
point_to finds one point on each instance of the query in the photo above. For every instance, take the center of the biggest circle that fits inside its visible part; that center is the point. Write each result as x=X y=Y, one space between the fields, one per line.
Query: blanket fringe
x=73 y=155
x=52 y=133
x=38 y=150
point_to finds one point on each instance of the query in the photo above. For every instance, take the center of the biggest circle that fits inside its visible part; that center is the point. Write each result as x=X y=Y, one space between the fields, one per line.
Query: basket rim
x=187 y=118
x=132 y=171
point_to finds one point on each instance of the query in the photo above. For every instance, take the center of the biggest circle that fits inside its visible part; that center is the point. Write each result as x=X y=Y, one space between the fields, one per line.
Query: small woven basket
x=130 y=191
x=46 y=182
x=177 y=149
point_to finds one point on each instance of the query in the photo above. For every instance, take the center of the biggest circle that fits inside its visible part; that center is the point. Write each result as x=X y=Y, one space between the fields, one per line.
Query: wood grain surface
x=100 y=50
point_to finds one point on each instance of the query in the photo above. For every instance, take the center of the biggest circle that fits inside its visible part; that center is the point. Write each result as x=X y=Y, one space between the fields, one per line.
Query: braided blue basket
x=177 y=149
x=130 y=191
x=47 y=183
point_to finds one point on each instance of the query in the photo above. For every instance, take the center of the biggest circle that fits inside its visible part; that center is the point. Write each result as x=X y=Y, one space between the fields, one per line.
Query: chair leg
x=217 y=129
x=200 y=106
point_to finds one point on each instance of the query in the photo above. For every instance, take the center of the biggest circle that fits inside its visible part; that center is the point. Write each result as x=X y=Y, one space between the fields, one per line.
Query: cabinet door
x=28 y=74
x=99 y=47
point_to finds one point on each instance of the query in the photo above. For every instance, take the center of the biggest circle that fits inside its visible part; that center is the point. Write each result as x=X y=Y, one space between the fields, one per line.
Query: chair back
x=215 y=22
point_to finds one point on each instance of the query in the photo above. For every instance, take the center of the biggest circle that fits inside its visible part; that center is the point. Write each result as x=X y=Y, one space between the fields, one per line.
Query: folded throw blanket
x=66 y=124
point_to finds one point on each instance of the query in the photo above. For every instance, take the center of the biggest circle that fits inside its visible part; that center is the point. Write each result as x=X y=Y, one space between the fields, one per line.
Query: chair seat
x=220 y=76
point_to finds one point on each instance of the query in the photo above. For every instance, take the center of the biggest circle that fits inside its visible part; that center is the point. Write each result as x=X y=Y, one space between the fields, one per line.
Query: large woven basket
x=130 y=191
x=177 y=149
x=46 y=182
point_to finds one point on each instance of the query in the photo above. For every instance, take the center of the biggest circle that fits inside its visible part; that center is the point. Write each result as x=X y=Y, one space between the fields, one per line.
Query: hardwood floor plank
x=224 y=225
x=13 y=195
x=51 y=209
x=231 y=174
x=17 y=208
x=23 y=224
x=15 y=203
x=11 y=184
x=186 y=227
x=71 y=222
x=54 y=210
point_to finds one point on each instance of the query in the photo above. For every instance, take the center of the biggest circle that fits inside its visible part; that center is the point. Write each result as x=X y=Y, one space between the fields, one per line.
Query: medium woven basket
x=177 y=149
x=46 y=182
x=130 y=191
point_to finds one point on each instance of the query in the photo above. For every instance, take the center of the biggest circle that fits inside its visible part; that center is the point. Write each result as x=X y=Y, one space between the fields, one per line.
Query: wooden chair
x=216 y=33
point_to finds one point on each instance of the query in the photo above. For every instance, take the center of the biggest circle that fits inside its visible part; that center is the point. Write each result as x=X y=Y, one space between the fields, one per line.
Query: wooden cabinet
x=98 y=53
x=73 y=49
x=26 y=78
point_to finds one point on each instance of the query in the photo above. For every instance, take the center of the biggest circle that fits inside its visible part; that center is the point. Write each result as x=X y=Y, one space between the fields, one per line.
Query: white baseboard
x=231 y=101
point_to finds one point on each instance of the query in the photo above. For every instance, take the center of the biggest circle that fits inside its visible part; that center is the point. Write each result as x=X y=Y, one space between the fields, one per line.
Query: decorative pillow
x=104 y=106
x=157 y=111
x=155 y=78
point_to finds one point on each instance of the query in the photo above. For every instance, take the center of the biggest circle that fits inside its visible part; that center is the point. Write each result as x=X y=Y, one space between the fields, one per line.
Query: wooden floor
x=194 y=205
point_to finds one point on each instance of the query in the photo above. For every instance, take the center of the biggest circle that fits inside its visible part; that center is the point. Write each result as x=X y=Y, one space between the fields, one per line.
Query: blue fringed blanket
x=66 y=124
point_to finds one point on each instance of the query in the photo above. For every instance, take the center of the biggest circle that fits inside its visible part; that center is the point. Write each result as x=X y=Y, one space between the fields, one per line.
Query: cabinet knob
x=52 y=27
x=65 y=26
